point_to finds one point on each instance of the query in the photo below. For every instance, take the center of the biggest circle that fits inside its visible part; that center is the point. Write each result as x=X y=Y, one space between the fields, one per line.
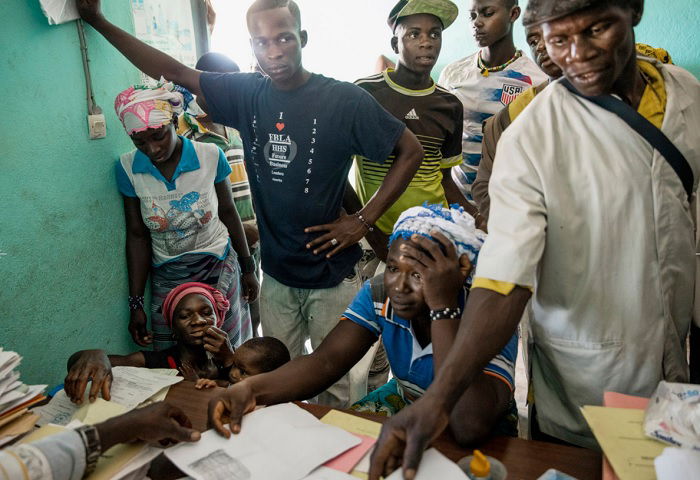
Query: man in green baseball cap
x=592 y=222
x=409 y=93
x=445 y=10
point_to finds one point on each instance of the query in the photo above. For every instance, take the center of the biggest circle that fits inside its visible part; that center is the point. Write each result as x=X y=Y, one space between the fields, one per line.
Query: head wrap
x=540 y=11
x=445 y=10
x=217 y=299
x=454 y=223
x=142 y=107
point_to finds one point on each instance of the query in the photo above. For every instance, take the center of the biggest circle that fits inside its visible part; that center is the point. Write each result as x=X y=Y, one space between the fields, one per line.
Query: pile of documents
x=131 y=387
x=285 y=441
x=15 y=399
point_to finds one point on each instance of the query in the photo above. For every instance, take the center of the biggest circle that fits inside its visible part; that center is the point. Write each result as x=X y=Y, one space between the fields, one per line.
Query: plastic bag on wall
x=59 y=11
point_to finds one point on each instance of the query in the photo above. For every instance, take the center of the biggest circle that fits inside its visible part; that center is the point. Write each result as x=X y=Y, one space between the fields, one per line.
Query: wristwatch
x=93 y=447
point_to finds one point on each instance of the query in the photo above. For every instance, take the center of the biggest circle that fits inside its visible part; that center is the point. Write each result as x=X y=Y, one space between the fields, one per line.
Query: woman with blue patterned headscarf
x=415 y=306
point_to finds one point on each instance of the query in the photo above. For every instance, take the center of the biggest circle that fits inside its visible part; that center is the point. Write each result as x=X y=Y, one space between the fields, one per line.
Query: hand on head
x=89 y=365
x=442 y=273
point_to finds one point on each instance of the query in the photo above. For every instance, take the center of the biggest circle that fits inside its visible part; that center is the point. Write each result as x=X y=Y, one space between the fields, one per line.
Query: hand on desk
x=90 y=364
x=405 y=436
x=230 y=406
x=157 y=423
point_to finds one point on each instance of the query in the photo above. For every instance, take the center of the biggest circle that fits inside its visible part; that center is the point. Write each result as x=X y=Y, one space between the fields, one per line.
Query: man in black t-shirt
x=299 y=131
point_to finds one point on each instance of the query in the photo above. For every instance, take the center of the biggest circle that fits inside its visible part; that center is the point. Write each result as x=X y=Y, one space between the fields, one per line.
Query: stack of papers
x=620 y=433
x=282 y=441
x=131 y=387
x=620 y=400
x=15 y=399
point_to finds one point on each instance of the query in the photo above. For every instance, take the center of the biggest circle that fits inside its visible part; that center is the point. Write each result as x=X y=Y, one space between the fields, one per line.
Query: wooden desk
x=524 y=459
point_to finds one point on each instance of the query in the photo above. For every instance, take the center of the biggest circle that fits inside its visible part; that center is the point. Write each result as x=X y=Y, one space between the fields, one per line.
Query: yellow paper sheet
x=99 y=411
x=620 y=433
x=352 y=424
x=19 y=425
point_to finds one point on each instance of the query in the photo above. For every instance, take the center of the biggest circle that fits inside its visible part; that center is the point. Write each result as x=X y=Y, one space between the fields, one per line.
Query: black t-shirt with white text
x=298 y=151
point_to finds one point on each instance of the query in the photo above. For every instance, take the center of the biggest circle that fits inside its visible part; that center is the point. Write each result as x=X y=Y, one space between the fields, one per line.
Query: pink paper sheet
x=620 y=400
x=345 y=462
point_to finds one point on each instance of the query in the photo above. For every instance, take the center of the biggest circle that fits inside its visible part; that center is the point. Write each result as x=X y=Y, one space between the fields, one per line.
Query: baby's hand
x=205 y=383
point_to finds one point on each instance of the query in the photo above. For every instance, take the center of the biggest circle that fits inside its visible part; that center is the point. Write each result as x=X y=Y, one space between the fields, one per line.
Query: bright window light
x=345 y=38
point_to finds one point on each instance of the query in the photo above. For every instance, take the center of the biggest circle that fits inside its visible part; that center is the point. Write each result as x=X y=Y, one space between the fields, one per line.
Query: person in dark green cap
x=428 y=110
x=591 y=221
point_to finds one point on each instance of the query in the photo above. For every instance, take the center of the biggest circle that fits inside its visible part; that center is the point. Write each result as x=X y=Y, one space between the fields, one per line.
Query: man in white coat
x=589 y=219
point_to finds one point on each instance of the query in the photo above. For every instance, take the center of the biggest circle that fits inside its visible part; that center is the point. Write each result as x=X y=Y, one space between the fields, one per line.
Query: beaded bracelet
x=364 y=222
x=445 y=313
x=135 y=302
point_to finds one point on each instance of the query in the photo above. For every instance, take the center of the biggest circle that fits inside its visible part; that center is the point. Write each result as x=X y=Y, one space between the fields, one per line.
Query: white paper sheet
x=8 y=362
x=31 y=392
x=434 y=465
x=130 y=387
x=282 y=441
x=363 y=464
x=325 y=473
x=134 y=469
x=676 y=463
x=59 y=11
x=10 y=382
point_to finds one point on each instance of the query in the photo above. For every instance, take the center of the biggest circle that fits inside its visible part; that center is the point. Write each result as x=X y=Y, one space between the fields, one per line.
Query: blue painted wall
x=62 y=271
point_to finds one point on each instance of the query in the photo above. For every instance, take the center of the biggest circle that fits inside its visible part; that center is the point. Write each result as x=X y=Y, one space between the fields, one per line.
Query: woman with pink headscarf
x=195 y=313
x=181 y=222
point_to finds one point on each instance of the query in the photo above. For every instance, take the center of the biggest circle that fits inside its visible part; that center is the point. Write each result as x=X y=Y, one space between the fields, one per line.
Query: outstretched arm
x=149 y=60
x=342 y=348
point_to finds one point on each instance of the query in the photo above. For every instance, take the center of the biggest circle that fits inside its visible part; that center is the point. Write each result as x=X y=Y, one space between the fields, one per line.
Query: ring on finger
x=334 y=242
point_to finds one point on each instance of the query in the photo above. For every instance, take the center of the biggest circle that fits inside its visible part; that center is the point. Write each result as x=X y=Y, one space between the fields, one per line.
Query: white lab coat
x=584 y=210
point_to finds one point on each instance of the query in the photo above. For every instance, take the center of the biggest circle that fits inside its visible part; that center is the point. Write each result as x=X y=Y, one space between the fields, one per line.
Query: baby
x=256 y=356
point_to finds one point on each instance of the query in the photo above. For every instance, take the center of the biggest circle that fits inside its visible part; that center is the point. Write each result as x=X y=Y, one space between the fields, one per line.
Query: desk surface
x=524 y=459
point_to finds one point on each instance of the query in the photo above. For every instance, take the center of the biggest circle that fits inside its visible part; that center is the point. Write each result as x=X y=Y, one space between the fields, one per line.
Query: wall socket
x=97 y=126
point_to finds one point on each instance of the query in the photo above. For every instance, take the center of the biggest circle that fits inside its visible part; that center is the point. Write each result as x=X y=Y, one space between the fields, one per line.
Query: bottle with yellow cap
x=479 y=467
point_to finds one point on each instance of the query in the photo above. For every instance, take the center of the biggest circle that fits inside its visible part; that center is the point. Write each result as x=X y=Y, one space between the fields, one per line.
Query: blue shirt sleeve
x=503 y=364
x=374 y=131
x=124 y=185
x=228 y=95
x=223 y=169
x=362 y=312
